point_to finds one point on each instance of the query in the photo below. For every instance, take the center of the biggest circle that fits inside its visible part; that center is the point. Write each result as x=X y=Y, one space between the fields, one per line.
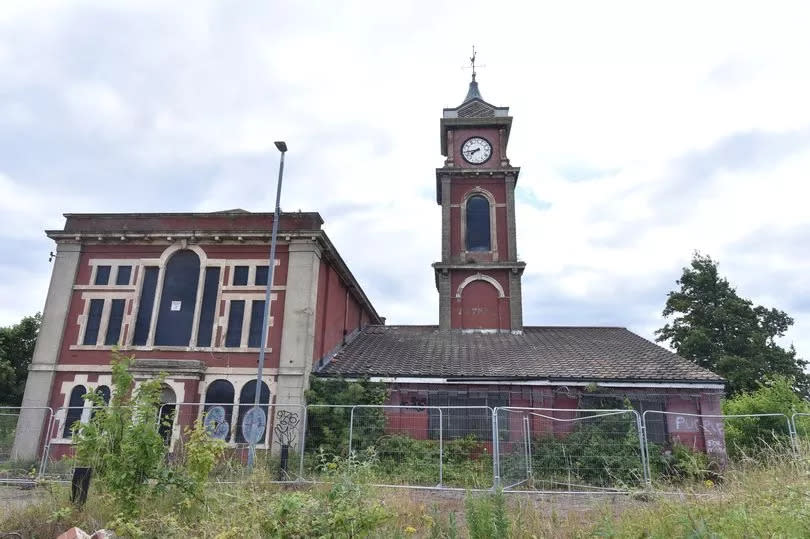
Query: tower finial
x=473 y=92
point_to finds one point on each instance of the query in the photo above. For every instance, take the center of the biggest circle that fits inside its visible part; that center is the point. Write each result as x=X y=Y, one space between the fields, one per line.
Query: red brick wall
x=460 y=136
x=338 y=312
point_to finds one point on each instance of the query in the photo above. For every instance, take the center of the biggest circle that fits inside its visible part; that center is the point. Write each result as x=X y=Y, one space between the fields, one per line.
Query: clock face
x=476 y=150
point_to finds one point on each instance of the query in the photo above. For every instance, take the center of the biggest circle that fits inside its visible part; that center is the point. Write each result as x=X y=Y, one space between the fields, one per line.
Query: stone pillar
x=46 y=352
x=515 y=301
x=298 y=333
x=445 y=299
x=511 y=233
x=446 y=219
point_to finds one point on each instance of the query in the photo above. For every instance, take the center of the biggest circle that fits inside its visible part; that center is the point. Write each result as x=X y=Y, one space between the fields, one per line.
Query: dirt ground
x=14 y=497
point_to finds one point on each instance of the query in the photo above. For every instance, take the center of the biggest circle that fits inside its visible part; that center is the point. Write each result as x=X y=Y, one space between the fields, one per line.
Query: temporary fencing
x=722 y=438
x=800 y=424
x=528 y=449
x=278 y=449
x=573 y=450
x=401 y=445
x=17 y=422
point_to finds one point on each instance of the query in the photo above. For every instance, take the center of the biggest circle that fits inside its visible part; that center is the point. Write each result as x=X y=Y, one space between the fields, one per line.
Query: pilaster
x=46 y=352
x=445 y=186
x=445 y=300
x=515 y=301
x=298 y=333
x=511 y=232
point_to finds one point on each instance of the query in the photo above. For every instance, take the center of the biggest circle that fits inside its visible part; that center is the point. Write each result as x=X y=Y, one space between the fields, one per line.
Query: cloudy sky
x=644 y=133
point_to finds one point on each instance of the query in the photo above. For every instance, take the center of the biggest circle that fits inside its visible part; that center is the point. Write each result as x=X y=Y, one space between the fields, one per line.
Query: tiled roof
x=553 y=353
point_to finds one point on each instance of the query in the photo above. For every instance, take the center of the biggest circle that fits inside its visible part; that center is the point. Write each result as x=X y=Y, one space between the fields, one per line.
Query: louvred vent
x=476 y=109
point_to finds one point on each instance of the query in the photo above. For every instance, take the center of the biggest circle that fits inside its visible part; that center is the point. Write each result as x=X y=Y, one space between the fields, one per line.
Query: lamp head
x=281 y=145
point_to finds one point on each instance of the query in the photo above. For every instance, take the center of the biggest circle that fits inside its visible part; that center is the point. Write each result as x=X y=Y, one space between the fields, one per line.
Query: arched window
x=219 y=398
x=168 y=401
x=104 y=393
x=75 y=409
x=246 y=399
x=478 y=231
x=177 y=301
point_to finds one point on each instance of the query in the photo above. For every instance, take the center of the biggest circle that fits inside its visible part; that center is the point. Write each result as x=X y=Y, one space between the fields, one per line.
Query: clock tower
x=478 y=278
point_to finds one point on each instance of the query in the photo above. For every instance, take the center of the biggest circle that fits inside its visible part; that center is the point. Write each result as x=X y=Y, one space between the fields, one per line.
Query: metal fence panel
x=13 y=466
x=573 y=450
x=800 y=424
x=672 y=436
x=399 y=445
x=278 y=454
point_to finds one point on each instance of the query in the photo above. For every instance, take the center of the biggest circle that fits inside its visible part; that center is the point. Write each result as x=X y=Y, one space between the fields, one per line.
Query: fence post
x=527 y=449
x=351 y=428
x=305 y=410
x=794 y=442
x=47 y=445
x=641 y=428
x=496 y=451
x=441 y=447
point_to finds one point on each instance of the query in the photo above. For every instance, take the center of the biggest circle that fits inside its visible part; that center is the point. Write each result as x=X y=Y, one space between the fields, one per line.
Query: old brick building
x=184 y=293
x=481 y=354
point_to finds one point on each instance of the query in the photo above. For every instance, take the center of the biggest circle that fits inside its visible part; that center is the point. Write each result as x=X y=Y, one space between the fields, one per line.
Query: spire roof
x=472 y=92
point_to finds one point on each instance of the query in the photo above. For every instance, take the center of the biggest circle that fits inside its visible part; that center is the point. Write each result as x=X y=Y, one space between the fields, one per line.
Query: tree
x=16 y=350
x=717 y=329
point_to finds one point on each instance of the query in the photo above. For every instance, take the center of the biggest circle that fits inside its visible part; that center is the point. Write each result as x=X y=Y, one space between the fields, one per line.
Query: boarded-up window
x=123 y=275
x=144 y=317
x=75 y=409
x=208 y=307
x=114 y=324
x=466 y=421
x=220 y=393
x=93 y=321
x=240 y=275
x=246 y=401
x=233 y=337
x=178 y=299
x=256 y=316
x=261 y=275
x=102 y=275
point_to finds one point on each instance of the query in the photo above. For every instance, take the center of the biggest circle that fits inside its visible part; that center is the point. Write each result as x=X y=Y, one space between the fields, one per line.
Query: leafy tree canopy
x=16 y=350
x=719 y=330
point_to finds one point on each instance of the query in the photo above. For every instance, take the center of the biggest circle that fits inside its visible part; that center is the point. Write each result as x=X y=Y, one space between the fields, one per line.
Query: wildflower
x=709 y=483
x=410 y=529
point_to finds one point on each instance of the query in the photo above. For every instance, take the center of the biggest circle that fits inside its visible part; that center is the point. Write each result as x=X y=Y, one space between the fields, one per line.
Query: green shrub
x=749 y=436
x=328 y=428
x=681 y=464
x=486 y=516
x=604 y=452
x=123 y=446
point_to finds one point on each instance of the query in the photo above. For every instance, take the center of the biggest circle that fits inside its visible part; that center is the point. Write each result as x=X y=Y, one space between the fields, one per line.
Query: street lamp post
x=282 y=147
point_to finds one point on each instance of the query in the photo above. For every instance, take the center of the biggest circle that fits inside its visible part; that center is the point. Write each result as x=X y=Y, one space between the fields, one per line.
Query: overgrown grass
x=752 y=500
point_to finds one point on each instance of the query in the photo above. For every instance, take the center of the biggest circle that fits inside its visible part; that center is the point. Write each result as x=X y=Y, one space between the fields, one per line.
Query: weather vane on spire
x=472 y=63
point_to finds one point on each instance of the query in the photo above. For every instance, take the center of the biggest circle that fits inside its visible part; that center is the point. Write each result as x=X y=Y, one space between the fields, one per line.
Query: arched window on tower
x=478 y=226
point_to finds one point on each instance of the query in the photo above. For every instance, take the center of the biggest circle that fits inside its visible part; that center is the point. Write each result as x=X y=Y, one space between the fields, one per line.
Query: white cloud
x=631 y=125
